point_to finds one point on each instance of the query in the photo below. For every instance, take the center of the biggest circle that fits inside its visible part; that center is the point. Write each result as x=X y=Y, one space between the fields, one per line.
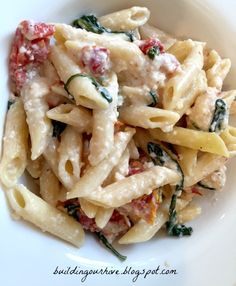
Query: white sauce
x=203 y=109
x=216 y=179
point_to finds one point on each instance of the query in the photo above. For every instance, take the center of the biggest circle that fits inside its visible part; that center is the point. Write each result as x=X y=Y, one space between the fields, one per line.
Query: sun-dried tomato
x=96 y=59
x=149 y=44
x=30 y=48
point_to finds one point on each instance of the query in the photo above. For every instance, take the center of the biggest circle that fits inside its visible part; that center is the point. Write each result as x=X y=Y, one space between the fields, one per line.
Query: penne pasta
x=191 y=212
x=69 y=158
x=88 y=208
x=228 y=97
x=35 y=167
x=187 y=159
x=143 y=231
x=101 y=171
x=35 y=210
x=198 y=87
x=127 y=19
x=121 y=170
x=15 y=145
x=133 y=150
x=103 y=126
x=194 y=139
x=229 y=137
x=124 y=55
x=177 y=85
x=148 y=31
x=124 y=191
x=76 y=116
x=182 y=49
x=216 y=69
x=136 y=95
x=40 y=127
x=103 y=216
x=206 y=164
x=118 y=50
x=49 y=186
x=49 y=72
x=148 y=117
x=81 y=87
x=51 y=155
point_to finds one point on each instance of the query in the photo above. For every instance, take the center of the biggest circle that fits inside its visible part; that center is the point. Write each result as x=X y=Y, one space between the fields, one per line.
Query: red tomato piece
x=32 y=31
x=117 y=217
x=146 y=45
x=117 y=225
x=135 y=167
x=88 y=223
x=26 y=55
x=96 y=59
x=196 y=191
x=74 y=205
x=146 y=207
x=54 y=99
x=119 y=126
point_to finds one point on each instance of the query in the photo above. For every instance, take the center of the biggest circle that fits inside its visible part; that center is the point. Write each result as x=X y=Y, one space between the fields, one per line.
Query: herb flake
x=153 y=51
x=72 y=210
x=107 y=244
x=58 y=128
x=204 y=186
x=220 y=113
x=154 y=98
x=130 y=35
x=9 y=104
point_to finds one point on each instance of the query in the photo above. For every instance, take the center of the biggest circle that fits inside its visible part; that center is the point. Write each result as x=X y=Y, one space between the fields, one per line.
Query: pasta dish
x=119 y=124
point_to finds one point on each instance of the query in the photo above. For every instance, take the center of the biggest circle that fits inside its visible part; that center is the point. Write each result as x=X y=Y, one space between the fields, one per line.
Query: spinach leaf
x=181 y=230
x=101 y=89
x=58 y=128
x=72 y=210
x=105 y=242
x=162 y=158
x=173 y=228
x=220 y=113
x=154 y=98
x=204 y=186
x=172 y=215
x=9 y=103
x=130 y=35
x=153 y=51
x=91 y=24
x=157 y=153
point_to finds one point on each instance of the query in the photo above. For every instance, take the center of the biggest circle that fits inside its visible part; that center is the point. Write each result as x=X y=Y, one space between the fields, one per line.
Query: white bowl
x=208 y=257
